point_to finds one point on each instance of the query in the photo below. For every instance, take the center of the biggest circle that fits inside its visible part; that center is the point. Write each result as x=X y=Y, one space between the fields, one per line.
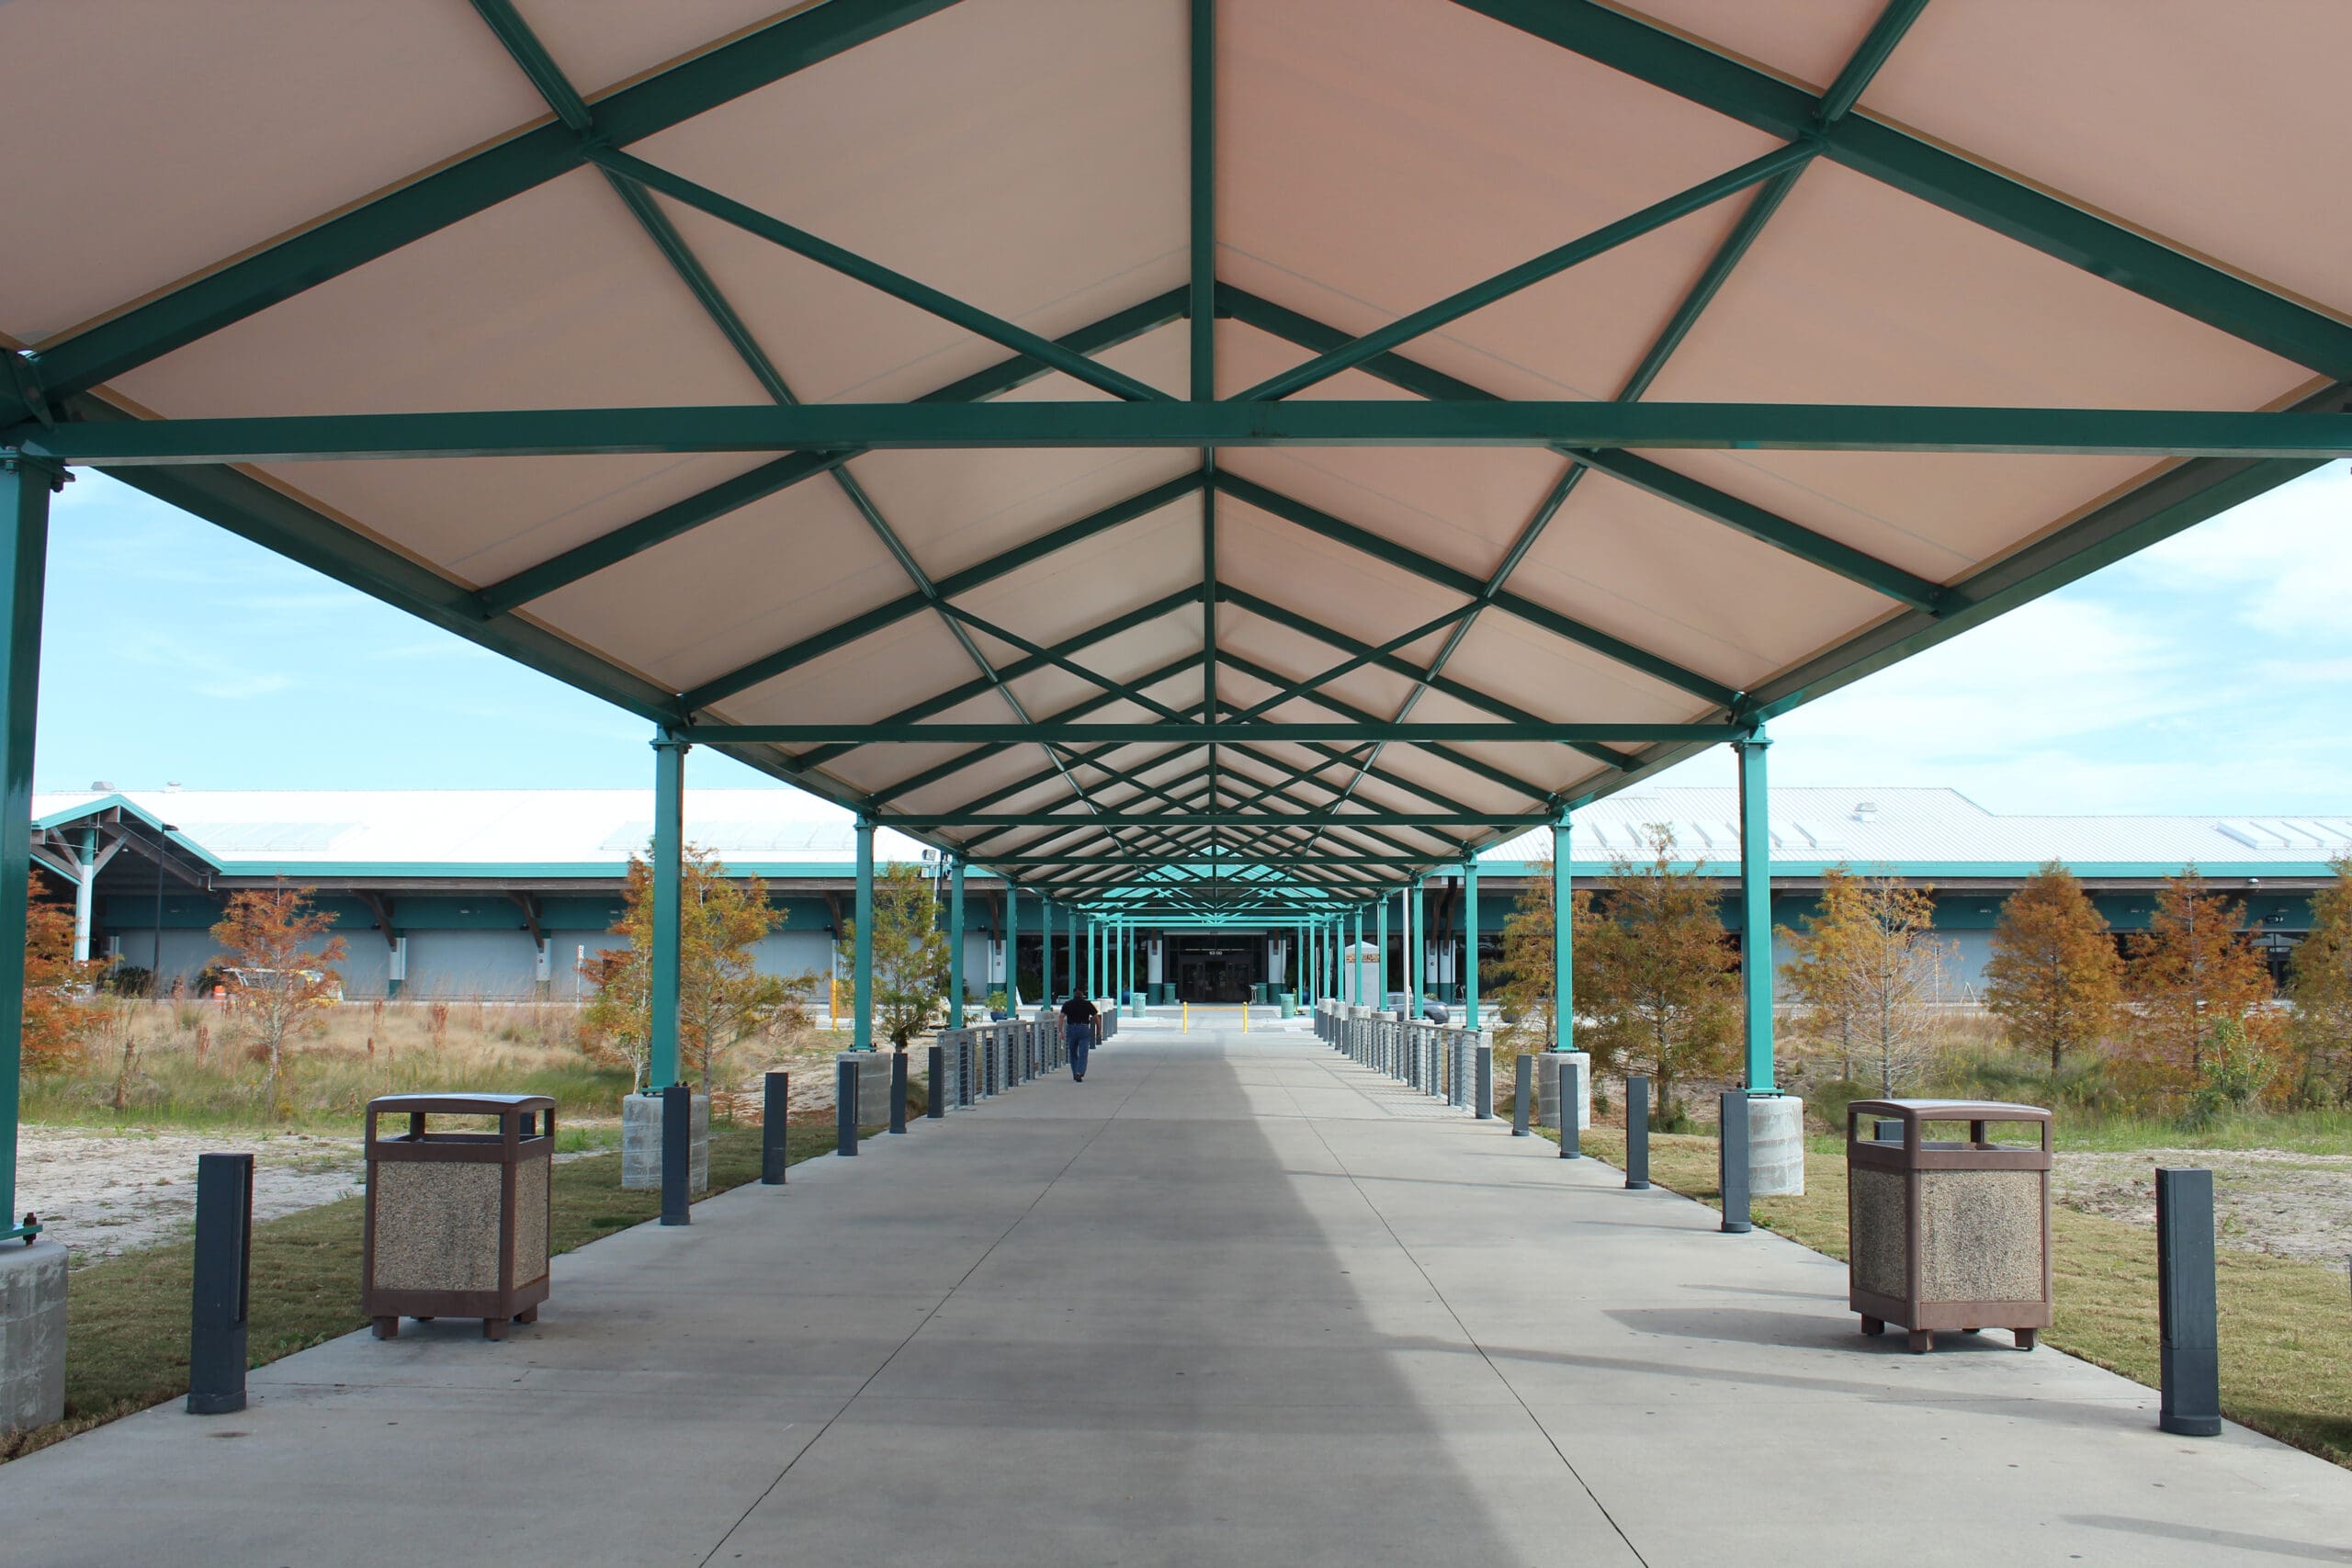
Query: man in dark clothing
x=1078 y=1029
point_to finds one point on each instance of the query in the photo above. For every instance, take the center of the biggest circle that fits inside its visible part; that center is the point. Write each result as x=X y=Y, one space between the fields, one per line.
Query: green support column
x=956 y=944
x=1756 y=910
x=1564 y=941
x=25 y=487
x=1380 y=958
x=1011 y=948
x=1045 y=925
x=669 y=849
x=1470 y=941
x=1091 y=989
x=862 y=995
x=1416 y=922
x=1355 y=955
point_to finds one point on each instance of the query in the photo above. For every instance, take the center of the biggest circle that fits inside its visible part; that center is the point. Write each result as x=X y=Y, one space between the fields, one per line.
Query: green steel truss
x=1177 y=792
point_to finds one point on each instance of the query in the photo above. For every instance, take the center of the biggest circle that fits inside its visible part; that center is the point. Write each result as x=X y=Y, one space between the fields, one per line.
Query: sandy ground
x=104 y=1194
x=2290 y=1205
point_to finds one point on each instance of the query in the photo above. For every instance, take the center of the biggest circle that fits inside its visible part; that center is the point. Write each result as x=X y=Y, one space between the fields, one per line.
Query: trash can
x=458 y=1221
x=1290 y=1003
x=1948 y=1234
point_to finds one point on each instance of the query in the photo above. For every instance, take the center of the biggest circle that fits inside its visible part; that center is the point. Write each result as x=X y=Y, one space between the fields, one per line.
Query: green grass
x=330 y=1096
x=2286 y=1330
x=125 y=1344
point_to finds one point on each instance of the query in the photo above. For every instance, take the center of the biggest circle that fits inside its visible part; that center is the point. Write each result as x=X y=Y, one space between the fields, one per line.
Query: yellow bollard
x=1188 y=1020
x=1245 y=1018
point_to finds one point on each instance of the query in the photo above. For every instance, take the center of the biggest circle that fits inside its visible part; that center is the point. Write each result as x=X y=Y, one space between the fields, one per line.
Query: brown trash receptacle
x=458 y=1221
x=1948 y=1234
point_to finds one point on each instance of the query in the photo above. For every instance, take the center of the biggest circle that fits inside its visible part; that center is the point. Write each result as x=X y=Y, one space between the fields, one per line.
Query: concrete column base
x=641 y=1143
x=873 y=1084
x=1776 y=1146
x=1547 y=1086
x=32 y=1335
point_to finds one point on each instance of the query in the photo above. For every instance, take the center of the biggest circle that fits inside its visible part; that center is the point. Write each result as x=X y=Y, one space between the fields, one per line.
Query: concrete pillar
x=32 y=1335
x=1547 y=1086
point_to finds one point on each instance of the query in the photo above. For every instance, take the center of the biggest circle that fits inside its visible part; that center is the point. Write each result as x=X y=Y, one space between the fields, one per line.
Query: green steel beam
x=1770 y=528
x=1606 y=237
x=1932 y=173
x=817 y=644
x=1893 y=23
x=1296 y=621
x=472 y=184
x=1719 y=506
x=681 y=517
x=1228 y=819
x=1010 y=638
x=1154 y=733
x=873 y=273
x=1371 y=654
x=980 y=685
x=1462 y=760
x=1579 y=425
x=956 y=765
x=1317 y=521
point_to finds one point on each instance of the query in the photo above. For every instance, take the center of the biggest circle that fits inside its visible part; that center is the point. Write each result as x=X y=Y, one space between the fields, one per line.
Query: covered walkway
x=1230 y=1301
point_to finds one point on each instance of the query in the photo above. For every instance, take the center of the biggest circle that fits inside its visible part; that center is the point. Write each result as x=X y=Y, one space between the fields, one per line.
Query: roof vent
x=107 y=785
x=171 y=786
x=1866 y=811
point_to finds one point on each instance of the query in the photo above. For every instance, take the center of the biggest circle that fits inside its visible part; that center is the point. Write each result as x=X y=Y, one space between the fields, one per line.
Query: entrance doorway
x=1215 y=969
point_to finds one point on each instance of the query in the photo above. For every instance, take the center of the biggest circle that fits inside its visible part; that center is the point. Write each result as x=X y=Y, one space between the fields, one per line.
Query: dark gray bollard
x=1522 y=1095
x=936 y=1107
x=773 y=1129
x=1637 y=1134
x=216 y=1319
x=1484 y=1109
x=677 y=1155
x=845 y=1108
x=1571 y=1097
x=897 y=1092
x=1733 y=1156
x=2186 y=1311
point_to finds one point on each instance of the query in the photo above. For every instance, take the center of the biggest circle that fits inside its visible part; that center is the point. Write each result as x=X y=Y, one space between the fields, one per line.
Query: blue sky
x=2209 y=674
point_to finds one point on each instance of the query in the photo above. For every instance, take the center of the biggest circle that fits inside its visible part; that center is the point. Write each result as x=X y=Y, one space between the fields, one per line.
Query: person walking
x=1078 y=1029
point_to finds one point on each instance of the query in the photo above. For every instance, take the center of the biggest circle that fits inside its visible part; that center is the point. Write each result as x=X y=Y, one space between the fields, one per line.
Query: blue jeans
x=1080 y=1039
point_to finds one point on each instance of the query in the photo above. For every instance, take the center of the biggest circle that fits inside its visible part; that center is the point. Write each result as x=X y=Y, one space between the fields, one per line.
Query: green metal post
x=956 y=944
x=1416 y=922
x=1564 y=941
x=1011 y=948
x=1756 y=910
x=669 y=849
x=1355 y=953
x=1470 y=941
x=862 y=995
x=1380 y=959
x=25 y=486
x=1045 y=923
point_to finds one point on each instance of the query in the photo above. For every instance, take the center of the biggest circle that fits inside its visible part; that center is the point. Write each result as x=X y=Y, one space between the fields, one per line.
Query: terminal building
x=502 y=894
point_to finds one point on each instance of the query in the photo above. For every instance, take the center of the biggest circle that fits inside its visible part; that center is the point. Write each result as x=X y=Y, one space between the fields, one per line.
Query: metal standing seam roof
x=592 y=832
x=1594 y=382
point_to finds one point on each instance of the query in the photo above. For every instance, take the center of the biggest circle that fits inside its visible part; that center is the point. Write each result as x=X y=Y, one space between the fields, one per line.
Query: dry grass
x=126 y=1319
x=189 y=1073
x=2286 y=1326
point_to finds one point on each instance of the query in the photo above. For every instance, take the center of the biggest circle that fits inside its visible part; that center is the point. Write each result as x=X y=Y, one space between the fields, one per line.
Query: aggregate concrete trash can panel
x=458 y=1221
x=1948 y=1234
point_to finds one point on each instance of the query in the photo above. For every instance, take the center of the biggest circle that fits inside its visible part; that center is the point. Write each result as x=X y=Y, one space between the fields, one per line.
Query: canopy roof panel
x=1161 y=439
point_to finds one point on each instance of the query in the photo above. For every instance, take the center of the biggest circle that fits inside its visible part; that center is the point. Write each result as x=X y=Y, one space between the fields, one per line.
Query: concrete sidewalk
x=1231 y=1301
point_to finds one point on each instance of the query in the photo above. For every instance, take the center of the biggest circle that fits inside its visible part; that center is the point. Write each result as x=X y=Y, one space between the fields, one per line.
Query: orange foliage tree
x=278 y=974
x=58 y=1016
x=2188 y=976
x=2054 y=977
